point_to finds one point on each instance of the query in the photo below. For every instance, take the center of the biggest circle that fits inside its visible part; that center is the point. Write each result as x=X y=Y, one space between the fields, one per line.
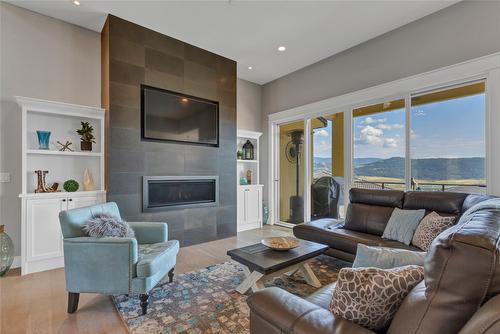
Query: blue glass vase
x=6 y=251
x=43 y=139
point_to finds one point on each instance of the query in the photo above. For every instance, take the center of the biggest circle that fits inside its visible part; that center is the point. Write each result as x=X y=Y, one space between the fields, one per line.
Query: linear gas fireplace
x=172 y=192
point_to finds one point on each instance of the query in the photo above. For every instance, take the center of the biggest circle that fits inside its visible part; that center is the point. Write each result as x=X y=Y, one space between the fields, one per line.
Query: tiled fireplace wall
x=132 y=55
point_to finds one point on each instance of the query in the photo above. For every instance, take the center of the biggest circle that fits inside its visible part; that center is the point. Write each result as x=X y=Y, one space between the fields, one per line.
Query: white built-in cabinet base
x=42 y=246
x=249 y=207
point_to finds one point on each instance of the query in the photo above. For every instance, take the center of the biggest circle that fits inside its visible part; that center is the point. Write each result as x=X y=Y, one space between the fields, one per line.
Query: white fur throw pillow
x=104 y=225
x=370 y=297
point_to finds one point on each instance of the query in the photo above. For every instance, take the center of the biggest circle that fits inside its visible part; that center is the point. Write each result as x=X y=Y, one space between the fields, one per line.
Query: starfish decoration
x=65 y=146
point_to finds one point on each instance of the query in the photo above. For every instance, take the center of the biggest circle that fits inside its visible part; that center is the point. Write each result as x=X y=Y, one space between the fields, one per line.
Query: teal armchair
x=114 y=265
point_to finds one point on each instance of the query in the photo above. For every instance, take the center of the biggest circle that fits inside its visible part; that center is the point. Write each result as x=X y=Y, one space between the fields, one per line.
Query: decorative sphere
x=71 y=186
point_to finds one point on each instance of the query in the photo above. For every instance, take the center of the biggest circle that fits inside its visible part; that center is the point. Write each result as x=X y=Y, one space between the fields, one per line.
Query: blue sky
x=447 y=129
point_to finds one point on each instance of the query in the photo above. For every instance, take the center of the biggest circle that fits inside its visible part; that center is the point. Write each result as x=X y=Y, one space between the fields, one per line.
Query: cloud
x=413 y=135
x=321 y=133
x=370 y=120
x=419 y=112
x=384 y=126
x=390 y=142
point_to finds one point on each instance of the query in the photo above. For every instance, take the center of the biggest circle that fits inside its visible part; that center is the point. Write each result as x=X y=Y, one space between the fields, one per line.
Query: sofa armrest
x=274 y=310
x=99 y=265
x=150 y=232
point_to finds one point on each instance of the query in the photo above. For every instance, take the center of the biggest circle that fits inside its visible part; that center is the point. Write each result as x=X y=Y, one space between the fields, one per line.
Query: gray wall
x=43 y=58
x=460 y=32
x=249 y=105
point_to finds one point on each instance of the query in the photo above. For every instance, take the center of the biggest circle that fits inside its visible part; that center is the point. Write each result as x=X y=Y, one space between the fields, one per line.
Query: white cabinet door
x=44 y=237
x=253 y=199
x=83 y=201
x=241 y=206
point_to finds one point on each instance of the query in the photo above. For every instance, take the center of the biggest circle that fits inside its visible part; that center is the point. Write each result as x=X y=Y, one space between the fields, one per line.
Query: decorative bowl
x=281 y=243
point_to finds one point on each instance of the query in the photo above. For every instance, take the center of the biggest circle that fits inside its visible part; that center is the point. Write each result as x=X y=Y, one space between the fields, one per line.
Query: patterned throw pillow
x=429 y=228
x=370 y=297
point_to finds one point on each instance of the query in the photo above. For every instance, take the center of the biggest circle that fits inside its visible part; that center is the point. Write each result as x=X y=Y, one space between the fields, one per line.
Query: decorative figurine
x=41 y=183
x=88 y=180
x=66 y=146
x=71 y=186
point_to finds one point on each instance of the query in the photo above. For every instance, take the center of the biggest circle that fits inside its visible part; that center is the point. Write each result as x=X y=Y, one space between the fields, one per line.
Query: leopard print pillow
x=429 y=228
x=370 y=297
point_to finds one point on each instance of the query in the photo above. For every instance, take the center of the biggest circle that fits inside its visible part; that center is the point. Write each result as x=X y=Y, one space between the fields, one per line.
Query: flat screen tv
x=177 y=117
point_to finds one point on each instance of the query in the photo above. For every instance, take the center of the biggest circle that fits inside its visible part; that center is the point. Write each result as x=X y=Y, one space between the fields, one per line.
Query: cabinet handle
x=71 y=200
x=64 y=200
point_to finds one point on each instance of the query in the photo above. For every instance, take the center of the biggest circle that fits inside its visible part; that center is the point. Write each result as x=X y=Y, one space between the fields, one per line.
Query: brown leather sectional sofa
x=368 y=214
x=459 y=293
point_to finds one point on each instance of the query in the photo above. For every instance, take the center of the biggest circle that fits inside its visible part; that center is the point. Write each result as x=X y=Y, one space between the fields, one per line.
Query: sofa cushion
x=152 y=257
x=386 y=257
x=390 y=198
x=370 y=296
x=323 y=297
x=402 y=225
x=441 y=202
x=429 y=228
x=367 y=218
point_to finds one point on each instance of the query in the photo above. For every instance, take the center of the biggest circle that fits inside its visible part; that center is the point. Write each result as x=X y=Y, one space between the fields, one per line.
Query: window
x=447 y=142
x=379 y=146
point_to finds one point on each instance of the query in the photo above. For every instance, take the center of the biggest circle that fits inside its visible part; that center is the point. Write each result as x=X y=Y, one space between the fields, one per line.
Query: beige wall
x=43 y=58
x=461 y=32
x=249 y=105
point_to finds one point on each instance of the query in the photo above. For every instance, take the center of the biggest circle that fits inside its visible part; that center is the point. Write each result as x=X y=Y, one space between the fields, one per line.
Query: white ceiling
x=251 y=31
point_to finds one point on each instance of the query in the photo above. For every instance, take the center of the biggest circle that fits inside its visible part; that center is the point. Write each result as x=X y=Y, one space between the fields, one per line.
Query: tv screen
x=171 y=116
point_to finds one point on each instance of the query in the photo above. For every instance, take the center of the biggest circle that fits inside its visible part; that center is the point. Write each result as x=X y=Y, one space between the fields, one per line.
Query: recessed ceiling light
x=281 y=48
x=76 y=2
x=250 y=67
x=184 y=100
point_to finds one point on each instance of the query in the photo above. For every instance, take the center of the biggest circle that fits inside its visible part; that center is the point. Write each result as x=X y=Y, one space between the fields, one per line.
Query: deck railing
x=414 y=185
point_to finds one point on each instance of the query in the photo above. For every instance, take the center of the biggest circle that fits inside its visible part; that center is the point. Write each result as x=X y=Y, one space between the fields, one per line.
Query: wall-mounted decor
x=71 y=186
x=88 y=180
x=177 y=117
x=6 y=251
x=66 y=146
x=43 y=139
x=248 y=151
x=86 y=133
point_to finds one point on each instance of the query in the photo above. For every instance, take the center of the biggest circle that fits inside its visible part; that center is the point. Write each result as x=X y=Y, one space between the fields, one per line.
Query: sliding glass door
x=327 y=166
x=290 y=151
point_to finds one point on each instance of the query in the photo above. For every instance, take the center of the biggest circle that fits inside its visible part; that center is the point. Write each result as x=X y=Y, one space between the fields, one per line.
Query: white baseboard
x=16 y=263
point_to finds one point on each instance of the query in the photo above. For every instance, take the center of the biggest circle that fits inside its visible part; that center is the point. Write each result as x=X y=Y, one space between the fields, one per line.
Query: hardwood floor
x=37 y=303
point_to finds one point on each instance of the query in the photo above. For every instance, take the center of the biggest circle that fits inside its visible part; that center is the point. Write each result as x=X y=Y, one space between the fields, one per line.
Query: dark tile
x=127 y=51
x=200 y=235
x=200 y=162
x=126 y=161
x=200 y=217
x=168 y=162
x=125 y=117
x=200 y=56
x=126 y=30
x=162 y=62
x=165 y=44
x=126 y=73
x=124 y=95
x=226 y=230
x=176 y=235
x=200 y=74
x=205 y=91
x=130 y=205
x=125 y=183
x=164 y=80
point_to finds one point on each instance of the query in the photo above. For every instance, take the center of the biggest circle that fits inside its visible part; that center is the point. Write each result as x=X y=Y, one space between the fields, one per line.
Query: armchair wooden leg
x=171 y=275
x=73 y=299
x=144 y=303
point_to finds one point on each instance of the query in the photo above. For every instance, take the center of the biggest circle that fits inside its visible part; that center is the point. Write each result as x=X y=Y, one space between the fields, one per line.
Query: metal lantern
x=6 y=251
x=248 y=152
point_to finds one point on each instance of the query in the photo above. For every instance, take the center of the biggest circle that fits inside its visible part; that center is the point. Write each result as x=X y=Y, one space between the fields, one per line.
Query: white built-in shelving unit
x=249 y=196
x=41 y=236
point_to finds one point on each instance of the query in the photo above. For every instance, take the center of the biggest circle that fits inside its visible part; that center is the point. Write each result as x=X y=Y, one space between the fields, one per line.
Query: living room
x=249 y=167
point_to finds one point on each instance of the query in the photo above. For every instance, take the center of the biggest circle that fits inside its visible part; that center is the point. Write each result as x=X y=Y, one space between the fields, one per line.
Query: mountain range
x=432 y=169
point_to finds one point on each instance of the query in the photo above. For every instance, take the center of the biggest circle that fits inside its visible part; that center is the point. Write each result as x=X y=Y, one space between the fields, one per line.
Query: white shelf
x=63 y=194
x=252 y=161
x=69 y=153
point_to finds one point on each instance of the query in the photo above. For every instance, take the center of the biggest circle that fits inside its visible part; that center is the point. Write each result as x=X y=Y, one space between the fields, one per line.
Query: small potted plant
x=87 y=136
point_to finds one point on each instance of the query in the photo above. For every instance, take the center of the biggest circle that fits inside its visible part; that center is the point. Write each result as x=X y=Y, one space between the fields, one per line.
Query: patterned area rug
x=205 y=301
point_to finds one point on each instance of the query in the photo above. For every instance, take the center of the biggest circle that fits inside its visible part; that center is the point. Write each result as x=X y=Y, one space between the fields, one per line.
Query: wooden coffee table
x=260 y=263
